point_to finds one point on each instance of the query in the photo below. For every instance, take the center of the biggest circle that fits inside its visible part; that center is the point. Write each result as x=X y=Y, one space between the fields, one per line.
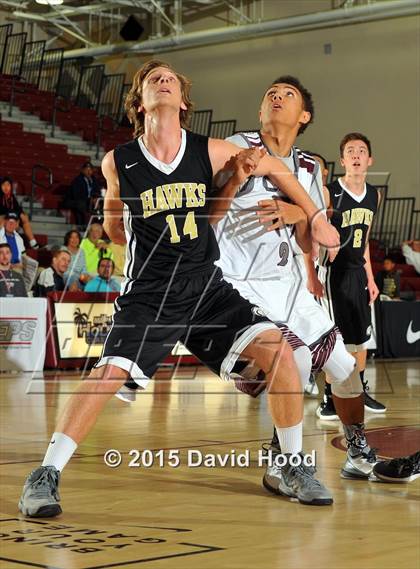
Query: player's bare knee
x=272 y=350
x=113 y=376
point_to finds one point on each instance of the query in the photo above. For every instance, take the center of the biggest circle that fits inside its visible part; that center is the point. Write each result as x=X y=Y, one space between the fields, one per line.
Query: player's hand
x=325 y=234
x=279 y=213
x=315 y=286
x=373 y=291
x=243 y=164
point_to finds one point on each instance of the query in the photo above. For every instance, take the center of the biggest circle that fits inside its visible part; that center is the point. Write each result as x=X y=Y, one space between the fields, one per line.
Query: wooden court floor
x=208 y=517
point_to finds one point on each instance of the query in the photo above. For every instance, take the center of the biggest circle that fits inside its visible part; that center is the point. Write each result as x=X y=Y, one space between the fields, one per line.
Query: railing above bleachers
x=200 y=122
x=222 y=129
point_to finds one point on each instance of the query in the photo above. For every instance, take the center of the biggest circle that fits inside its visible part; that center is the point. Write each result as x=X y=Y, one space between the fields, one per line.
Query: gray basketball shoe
x=127 y=394
x=272 y=476
x=296 y=482
x=359 y=463
x=40 y=495
x=360 y=458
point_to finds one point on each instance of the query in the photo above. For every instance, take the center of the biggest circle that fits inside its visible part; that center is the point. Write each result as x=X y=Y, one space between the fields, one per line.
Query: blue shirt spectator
x=104 y=281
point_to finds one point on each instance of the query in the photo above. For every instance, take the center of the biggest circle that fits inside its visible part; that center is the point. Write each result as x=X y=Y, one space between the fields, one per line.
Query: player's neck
x=278 y=140
x=354 y=182
x=162 y=134
x=5 y=267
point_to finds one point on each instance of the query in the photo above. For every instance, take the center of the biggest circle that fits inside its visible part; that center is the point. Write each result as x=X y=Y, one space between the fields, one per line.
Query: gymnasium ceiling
x=92 y=27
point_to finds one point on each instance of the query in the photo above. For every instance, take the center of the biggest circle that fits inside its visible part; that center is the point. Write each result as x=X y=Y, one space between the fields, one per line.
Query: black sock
x=362 y=379
x=275 y=440
x=327 y=390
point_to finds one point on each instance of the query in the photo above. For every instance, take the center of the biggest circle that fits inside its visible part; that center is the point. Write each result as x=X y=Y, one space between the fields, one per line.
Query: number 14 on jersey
x=190 y=227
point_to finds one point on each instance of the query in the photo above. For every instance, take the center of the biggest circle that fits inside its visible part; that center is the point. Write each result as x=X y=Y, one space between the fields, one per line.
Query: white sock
x=290 y=438
x=32 y=242
x=59 y=451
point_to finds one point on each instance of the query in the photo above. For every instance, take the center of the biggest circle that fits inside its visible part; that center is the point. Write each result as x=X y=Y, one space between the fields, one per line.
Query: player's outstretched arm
x=276 y=213
x=113 y=206
x=221 y=150
x=322 y=232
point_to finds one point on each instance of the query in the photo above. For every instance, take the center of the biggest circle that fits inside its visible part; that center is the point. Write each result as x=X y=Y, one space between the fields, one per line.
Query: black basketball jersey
x=166 y=215
x=352 y=219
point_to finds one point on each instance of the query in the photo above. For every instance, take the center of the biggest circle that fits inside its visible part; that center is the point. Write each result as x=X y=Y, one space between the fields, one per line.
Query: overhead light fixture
x=49 y=2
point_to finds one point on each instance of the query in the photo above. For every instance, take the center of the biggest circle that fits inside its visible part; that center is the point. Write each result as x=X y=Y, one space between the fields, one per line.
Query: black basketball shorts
x=202 y=311
x=347 y=299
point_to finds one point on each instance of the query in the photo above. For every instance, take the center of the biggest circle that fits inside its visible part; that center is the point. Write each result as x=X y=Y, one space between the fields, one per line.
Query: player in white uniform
x=261 y=258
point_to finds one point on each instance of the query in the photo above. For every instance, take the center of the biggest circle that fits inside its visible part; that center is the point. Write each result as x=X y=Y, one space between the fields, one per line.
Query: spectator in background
x=52 y=279
x=388 y=280
x=8 y=234
x=95 y=248
x=11 y=282
x=77 y=271
x=411 y=252
x=9 y=203
x=104 y=281
x=83 y=192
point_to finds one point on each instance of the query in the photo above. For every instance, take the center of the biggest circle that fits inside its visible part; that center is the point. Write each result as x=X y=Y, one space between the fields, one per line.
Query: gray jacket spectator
x=11 y=282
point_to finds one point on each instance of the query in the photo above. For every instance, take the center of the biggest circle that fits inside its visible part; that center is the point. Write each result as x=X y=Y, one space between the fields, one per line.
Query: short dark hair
x=308 y=103
x=69 y=234
x=87 y=165
x=355 y=136
x=390 y=258
x=5 y=246
x=106 y=259
x=6 y=179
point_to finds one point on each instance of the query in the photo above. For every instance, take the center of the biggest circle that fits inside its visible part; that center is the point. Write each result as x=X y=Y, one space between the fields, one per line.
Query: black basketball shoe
x=371 y=404
x=326 y=411
x=405 y=469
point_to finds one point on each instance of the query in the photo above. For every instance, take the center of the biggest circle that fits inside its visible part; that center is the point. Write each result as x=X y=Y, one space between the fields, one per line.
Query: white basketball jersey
x=247 y=250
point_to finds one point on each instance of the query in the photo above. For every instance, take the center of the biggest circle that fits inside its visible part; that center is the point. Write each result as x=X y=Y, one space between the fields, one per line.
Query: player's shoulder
x=197 y=141
x=333 y=186
x=306 y=161
x=371 y=189
x=124 y=148
x=246 y=139
x=372 y=193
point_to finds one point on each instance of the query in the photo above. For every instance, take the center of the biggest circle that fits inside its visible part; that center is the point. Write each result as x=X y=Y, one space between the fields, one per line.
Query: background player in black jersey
x=172 y=291
x=350 y=287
